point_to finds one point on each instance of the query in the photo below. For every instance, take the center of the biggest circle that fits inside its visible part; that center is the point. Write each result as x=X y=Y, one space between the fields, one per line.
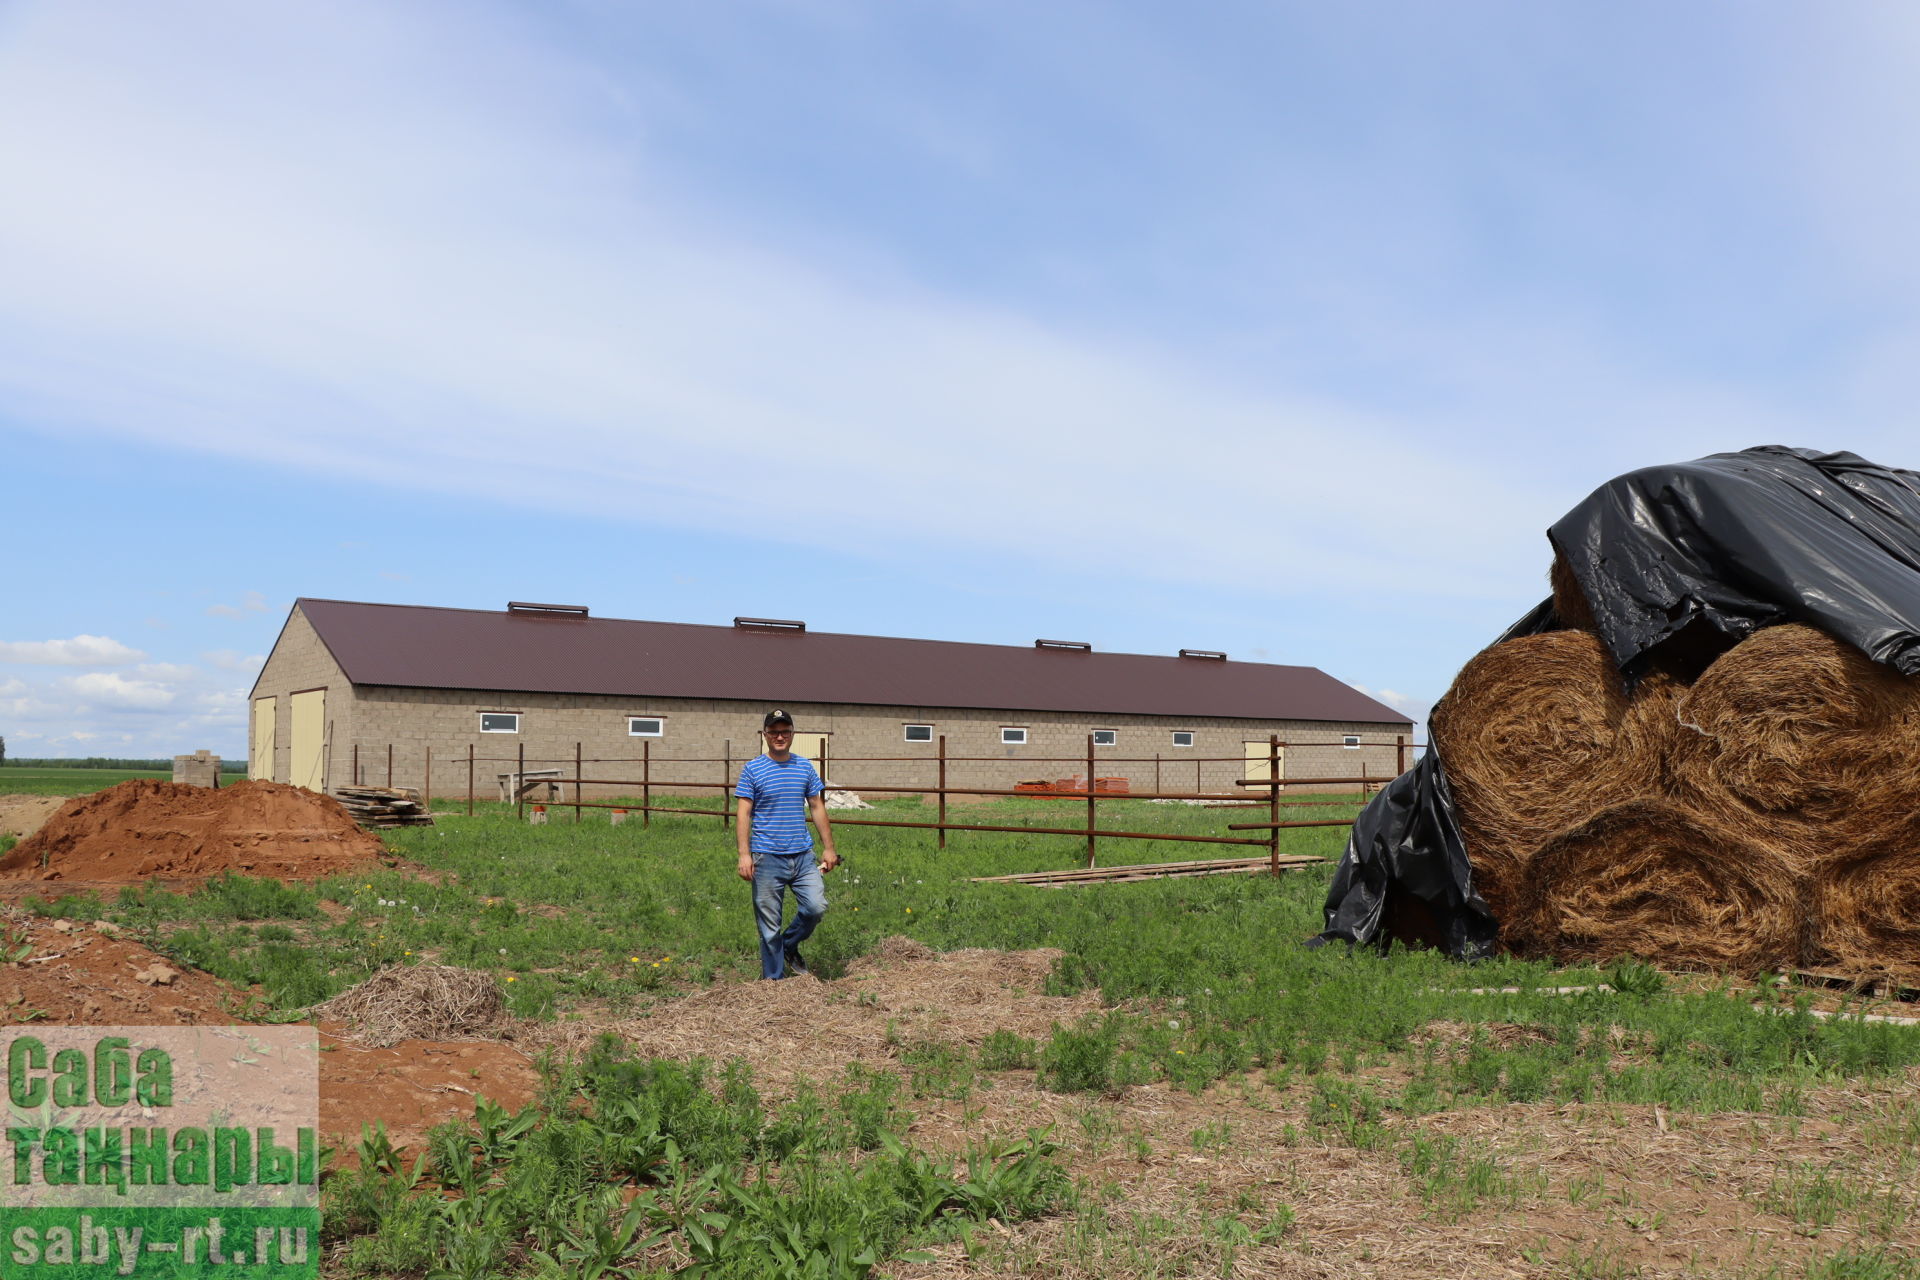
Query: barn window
x=919 y=733
x=1012 y=737
x=1351 y=742
x=1182 y=738
x=646 y=727
x=1106 y=737
x=499 y=722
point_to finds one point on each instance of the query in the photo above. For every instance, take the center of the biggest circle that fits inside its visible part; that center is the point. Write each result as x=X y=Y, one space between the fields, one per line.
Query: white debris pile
x=839 y=799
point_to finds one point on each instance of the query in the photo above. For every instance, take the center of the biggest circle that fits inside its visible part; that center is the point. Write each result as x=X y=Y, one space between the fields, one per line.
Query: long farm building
x=379 y=693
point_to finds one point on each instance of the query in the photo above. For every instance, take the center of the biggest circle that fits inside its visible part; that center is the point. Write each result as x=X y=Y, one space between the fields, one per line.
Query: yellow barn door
x=814 y=747
x=1258 y=763
x=308 y=767
x=260 y=753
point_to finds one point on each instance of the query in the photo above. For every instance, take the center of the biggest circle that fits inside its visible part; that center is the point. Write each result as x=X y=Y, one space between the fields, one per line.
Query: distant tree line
x=103 y=762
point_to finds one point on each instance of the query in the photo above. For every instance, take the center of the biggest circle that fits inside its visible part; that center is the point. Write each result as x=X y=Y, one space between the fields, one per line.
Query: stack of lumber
x=376 y=808
x=1764 y=815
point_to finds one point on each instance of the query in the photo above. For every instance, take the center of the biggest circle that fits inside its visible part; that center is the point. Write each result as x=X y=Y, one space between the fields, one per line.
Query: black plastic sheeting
x=1678 y=564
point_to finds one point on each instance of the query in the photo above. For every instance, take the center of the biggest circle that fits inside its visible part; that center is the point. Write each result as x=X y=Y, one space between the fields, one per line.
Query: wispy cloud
x=110 y=689
x=251 y=602
x=79 y=651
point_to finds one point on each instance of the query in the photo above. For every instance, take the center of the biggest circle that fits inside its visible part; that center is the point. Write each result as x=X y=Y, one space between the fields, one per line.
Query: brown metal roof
x=419 y=646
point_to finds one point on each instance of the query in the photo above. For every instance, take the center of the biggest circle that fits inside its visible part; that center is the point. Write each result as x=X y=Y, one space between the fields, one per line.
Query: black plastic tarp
x=1678 y=563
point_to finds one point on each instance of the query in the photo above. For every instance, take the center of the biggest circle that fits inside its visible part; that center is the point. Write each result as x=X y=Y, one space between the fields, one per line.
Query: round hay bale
x=1794 y=723
x=419 y=1002
x=1650 y=879
x=1569 y=601
x=1866 y=905
x=1529 y=734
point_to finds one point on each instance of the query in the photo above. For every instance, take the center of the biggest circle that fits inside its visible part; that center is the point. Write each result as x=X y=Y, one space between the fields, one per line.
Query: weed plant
x=627 y=1166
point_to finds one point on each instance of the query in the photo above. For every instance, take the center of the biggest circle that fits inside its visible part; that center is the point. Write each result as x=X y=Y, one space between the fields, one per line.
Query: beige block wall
x=299 y=662
x=706 y=740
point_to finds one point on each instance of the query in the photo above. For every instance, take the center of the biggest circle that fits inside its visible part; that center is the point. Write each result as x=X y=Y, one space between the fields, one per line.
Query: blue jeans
x=773 y=875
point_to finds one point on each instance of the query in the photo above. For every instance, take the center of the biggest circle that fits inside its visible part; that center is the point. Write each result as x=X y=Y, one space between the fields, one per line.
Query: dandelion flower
x=407 y=953
x=633 y=959
x=511 y=978
x=909 y=910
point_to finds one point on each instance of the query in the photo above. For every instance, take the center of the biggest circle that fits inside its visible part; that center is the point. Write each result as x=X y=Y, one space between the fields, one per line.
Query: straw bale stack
x=1649 y=878
x=1530 y=733
x=1765 y=816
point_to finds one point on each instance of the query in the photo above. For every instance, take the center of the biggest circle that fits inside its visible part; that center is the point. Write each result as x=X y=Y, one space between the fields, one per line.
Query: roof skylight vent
x=769 y=624
x=1080 y=645
x=1214 y=654
x=547 y=610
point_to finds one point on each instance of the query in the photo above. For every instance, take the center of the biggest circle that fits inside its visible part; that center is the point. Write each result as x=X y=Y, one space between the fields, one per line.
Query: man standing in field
x=775 y=793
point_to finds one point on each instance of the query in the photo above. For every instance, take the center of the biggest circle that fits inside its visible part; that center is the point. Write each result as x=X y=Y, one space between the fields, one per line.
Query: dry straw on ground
x=420 y=1002
x=1652 y=879
x=1530 y=733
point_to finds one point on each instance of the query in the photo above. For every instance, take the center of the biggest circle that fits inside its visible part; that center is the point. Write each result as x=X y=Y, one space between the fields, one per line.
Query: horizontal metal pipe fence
x=469 y=762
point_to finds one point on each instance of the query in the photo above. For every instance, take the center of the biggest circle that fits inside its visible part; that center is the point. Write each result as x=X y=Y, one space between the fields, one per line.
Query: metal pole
x=1156 y=773
x=1091 y=824
x=726 y=776
x=943 y=791
x=646 y=784
x=389 y=766
x=576 y=782
x=1273 y=800
x=426 y=789
x=1399 y=754
x=469 y=779
x=356 y=764
x=520 y=786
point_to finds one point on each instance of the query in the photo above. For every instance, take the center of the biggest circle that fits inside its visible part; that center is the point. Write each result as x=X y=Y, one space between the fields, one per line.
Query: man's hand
x=828 y=861
x=746 y=866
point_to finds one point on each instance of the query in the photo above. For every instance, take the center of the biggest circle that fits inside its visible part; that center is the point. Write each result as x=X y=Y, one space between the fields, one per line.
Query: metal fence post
x=389 y=766
x=576 y=782
x=1090 y=801
x=1399 y=754
x=646 y=784
x=942 y=798
x=726 y=776
x=520 y=786
x=426 y=788
x=1273 y=800
x=469 y=779
x=356 y=764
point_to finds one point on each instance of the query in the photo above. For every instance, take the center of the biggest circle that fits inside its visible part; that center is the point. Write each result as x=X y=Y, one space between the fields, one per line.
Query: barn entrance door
x=260 y=749
x=814 y=747
x=1257 y=763
x=307 y=766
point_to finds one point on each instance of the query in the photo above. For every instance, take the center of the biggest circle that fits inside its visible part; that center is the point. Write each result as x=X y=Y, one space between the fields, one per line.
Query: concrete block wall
x=707 y=740
x=201 y=769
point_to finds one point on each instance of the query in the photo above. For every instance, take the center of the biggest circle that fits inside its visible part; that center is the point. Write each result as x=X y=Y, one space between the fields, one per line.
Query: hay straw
x=1651 y=879
x=1866 y=904
x=1529 y=733
x=419 y=1002
x=1569 y=601
x=1794 y=723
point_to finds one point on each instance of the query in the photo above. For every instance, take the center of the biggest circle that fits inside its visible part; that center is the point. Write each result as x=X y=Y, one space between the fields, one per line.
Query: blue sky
x=1283 y=329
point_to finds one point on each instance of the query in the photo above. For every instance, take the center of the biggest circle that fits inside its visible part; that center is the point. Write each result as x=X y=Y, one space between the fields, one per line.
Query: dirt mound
x=73 y=974
x=145 y=828
x=899 y=994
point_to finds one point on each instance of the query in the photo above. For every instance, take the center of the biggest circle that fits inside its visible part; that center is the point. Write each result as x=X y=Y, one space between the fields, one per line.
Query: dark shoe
x=795 y=964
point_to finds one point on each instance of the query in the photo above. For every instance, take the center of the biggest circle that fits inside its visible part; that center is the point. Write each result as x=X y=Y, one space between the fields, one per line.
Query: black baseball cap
x=776 y=716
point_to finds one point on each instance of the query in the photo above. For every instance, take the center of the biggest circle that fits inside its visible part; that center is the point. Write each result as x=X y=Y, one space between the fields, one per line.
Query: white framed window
x=918 y=733
x=499 y=722
x=1012 y=736
x=1106 y=737
x=1351 y=742
x=1182 y=737
x=646 y=727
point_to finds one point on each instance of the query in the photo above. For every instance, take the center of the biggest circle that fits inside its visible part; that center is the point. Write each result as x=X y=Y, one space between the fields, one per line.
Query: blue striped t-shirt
x=779 y=791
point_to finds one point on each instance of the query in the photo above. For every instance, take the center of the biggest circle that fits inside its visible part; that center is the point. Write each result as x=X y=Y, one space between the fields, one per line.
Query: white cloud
x=251 y=602
x=107 y=689
x=80 y=651
x=234 y=660
x=12 y=688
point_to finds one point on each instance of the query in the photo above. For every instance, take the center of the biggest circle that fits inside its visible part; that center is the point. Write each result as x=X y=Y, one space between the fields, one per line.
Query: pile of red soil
x=146 y=828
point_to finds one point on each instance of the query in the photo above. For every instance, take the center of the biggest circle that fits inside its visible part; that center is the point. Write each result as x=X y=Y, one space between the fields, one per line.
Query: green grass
x=67 y=782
